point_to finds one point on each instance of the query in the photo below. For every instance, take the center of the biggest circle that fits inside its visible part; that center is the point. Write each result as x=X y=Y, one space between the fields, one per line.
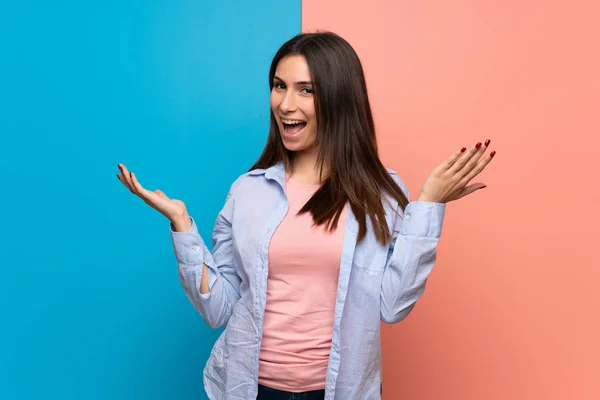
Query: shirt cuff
x=190 y=250
x=189 y=246
x=423 y=219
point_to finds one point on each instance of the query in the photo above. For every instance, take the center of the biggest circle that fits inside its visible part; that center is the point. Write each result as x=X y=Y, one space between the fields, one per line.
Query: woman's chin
x=292 y=146
x=296 y=145
x=291 y=141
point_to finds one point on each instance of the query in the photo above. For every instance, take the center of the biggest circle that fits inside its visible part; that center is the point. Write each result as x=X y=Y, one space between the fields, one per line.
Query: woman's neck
x=305 y=168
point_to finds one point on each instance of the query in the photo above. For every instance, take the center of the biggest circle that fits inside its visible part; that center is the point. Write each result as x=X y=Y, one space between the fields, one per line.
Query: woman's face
x=293 y=105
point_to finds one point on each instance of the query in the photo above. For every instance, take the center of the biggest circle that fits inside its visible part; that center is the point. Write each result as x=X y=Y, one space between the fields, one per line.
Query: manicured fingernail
x=493 y=153
x=119 y=165
x=118 y=177
x=478 y=145
x=131 y=174
x=487 y=142
x=463 y=149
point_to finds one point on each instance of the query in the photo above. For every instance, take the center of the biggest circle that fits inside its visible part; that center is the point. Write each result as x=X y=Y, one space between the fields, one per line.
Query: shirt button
x=196 y=248
x=407 y=217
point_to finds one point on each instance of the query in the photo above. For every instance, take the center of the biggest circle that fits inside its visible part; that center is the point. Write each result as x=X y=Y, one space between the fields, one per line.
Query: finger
x=454 y=157
x=155 y=199
x=122 y=180
x=127 y=177
x=143 y=193
x=465 y=164
x=123 y=177
x=470 y=189
x=479 y=167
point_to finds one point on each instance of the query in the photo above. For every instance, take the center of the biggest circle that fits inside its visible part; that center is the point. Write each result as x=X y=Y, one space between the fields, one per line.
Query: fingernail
x=118 y=177
x=119 y=165
x=463 y=149
x=493 y=153
x=487 y=142
x=131 y=174
x=478 y=145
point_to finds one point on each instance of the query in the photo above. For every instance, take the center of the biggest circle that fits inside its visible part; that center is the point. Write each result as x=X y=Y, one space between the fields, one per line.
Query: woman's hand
x=448 y=181
x=173 y=209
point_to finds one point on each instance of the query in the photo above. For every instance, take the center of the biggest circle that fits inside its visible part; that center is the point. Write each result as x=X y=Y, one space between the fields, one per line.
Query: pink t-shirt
x=304 y=262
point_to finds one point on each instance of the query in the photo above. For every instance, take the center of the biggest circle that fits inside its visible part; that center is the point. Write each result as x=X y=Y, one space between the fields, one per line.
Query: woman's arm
x=411 y=257
x=416 y=235
x=209 y=279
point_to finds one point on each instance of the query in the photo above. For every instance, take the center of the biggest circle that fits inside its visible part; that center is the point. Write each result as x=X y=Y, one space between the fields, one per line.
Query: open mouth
x=292 y=127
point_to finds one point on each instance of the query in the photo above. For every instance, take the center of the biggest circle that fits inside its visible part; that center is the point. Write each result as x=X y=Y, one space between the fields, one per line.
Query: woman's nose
x=288 y=103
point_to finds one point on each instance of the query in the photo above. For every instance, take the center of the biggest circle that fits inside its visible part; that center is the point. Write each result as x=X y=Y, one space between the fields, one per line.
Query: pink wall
x=511 y=310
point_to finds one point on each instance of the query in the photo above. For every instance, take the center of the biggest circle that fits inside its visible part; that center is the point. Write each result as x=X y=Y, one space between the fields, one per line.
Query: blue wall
x=91 y=306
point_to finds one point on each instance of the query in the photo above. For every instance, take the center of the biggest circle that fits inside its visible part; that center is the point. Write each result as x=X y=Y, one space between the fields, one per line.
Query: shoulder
x=398 y=181
x=247 y=181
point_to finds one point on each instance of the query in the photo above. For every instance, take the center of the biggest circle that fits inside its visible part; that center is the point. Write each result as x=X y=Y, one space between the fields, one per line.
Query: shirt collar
x=275 y=172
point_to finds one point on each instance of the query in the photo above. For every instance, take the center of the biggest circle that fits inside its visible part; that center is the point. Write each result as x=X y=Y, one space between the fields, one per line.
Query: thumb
x=161 y=194
x=470 y=189
x=477 y=186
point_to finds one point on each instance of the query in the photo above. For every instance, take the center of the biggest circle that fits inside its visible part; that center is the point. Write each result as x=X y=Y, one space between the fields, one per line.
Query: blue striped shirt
x=376 y=283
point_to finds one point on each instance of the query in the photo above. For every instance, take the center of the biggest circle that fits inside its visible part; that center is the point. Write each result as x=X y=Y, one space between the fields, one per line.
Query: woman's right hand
x=173 y=209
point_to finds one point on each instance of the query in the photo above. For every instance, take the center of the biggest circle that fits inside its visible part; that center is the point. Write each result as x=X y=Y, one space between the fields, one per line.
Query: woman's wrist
x=182 y=224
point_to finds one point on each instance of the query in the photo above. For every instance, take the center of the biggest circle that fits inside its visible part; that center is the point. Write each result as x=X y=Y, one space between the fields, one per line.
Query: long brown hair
x=345 y=139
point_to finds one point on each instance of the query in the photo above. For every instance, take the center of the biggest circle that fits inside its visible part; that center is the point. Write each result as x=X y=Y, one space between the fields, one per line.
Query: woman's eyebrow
x=296 y=83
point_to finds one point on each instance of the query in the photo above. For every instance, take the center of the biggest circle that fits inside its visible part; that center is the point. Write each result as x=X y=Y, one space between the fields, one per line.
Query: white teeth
x=291 y=121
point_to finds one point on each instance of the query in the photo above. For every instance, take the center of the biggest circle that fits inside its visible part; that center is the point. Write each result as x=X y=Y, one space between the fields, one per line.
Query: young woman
x=317 y=243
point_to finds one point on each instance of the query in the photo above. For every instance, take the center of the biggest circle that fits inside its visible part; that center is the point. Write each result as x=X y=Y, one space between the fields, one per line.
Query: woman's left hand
x=448 y=181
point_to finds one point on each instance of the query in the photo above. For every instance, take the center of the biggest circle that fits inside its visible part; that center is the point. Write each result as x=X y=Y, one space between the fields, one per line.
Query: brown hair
x=345 y=136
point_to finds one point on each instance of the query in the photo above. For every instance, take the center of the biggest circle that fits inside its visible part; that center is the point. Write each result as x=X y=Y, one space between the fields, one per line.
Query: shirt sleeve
x=192 y=254
x=411 y=256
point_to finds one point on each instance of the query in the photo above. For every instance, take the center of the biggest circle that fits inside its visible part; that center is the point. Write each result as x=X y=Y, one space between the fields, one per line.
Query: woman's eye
x=279 y=86
x=307 y=90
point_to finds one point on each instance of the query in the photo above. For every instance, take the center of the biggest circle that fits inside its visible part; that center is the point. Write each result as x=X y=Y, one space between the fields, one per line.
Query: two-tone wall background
x=90 y=303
